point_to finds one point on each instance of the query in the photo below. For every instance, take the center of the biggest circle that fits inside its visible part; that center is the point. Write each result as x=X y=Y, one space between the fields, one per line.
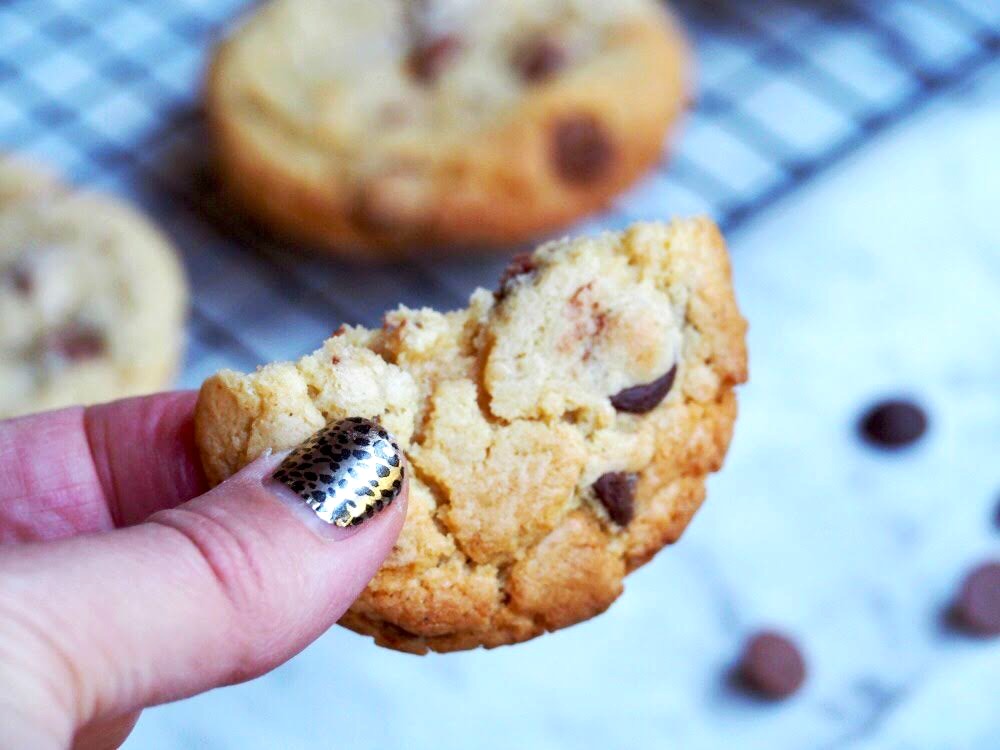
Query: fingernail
x=345 y=473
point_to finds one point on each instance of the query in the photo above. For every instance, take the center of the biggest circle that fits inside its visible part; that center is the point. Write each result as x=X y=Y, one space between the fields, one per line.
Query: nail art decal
x=346 y=472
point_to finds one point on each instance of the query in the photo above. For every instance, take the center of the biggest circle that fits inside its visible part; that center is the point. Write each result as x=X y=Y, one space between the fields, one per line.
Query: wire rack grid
x=107 y=90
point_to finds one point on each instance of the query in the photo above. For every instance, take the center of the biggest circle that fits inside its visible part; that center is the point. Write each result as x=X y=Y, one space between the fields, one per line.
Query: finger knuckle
x=225 y=552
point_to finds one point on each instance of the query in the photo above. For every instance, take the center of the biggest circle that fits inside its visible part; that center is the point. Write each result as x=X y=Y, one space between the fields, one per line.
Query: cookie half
x=378 y=127
x=92 y=297
x=558 y=431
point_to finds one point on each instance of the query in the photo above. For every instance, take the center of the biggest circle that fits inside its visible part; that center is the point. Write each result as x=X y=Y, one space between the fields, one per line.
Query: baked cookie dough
x=558 y=431
x=92 y=298
x=379 y=127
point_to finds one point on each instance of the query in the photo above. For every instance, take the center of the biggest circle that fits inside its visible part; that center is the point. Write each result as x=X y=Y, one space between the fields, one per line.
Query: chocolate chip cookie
x=378 y=127
x=92 y=298
x=558 y=431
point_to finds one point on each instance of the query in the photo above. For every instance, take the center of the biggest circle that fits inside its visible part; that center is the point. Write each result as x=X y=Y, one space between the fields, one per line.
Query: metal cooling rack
x=107 y=90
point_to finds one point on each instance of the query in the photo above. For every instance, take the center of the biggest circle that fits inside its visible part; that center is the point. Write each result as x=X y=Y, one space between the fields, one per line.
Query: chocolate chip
x=539 y=58
x=616 y=491
x=19 y=279
x=429 y=58
x=640 y=399
x=893 y=423
x=581 y=149
x=391 y=201
x=76 y=342
x=520 y=264
x=771 y=665
x=977 y=607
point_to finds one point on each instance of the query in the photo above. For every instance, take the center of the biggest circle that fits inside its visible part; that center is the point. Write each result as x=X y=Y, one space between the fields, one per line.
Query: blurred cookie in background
x=19 y=179
x=92 y=297
x=379 y=127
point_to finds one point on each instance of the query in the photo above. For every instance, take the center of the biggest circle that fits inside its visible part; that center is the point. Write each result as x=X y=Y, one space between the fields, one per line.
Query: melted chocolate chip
x=640 y=399
x=581 y=149
x=893 y=423
x=429 y=58
x=771 y=666
x=539 y=58
x=520 y=264
x=616 y=491
x=977 y=607
x=76 y=342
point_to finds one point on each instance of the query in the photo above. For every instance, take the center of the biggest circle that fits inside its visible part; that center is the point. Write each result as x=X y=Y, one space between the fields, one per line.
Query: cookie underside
x=506 y=416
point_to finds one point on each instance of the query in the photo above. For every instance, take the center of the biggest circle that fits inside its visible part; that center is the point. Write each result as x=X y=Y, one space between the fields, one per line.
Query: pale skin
x=125 y=582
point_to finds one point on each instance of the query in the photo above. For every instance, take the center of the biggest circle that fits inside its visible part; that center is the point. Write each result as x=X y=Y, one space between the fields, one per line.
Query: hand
x=123 y=586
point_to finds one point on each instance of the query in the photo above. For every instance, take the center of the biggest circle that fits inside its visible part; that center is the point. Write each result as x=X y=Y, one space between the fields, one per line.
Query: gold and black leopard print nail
x=347 y=472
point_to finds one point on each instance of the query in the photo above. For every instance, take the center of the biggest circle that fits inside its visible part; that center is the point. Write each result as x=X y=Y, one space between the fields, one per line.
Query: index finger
x=88 y=469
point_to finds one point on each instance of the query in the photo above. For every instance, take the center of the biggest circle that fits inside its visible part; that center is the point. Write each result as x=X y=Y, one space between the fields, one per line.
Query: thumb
x=212 y=592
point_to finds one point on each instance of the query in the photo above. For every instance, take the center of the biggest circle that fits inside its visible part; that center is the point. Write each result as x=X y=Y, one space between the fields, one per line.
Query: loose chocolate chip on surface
x=977 y=607
x=582 y=151
x=771 y=665
x=429 y=59
x=539 y=58
x=520 y=264
x=76 y=342
x=616 y=491
x=640 y=399
x=893 y=423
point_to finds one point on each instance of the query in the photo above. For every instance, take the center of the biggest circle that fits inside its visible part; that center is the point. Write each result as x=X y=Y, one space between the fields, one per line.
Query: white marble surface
x=883 y=277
